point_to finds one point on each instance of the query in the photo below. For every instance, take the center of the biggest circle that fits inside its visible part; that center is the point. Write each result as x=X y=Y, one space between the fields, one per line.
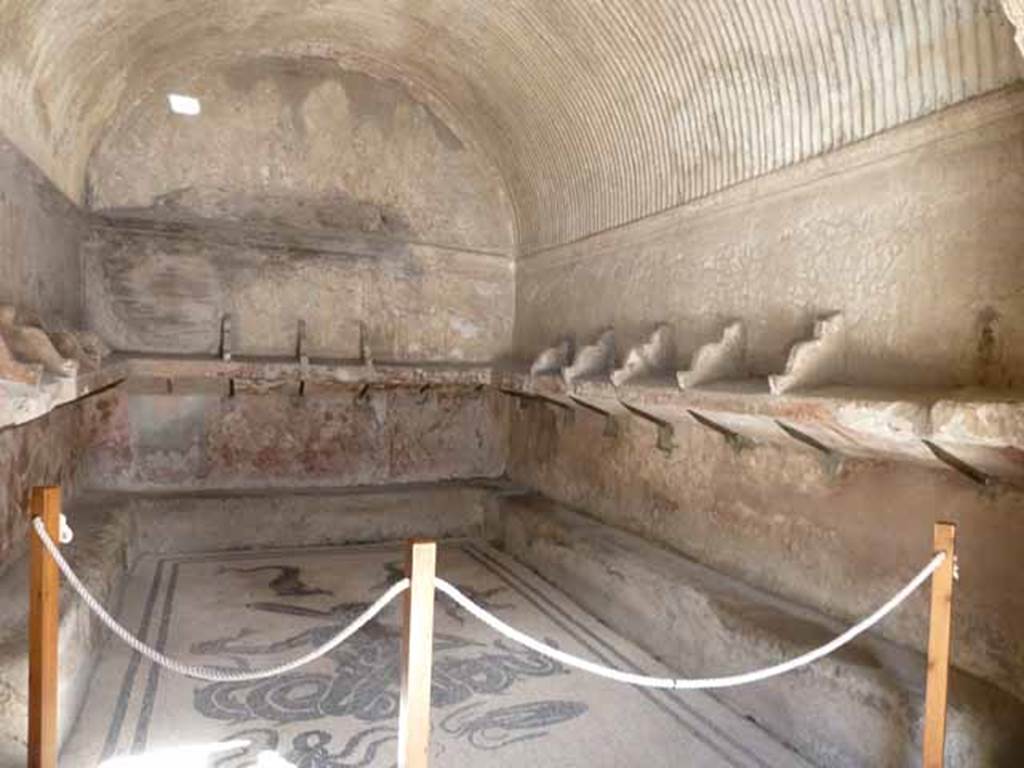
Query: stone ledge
x=22 y=403
x=859 y=707
x=977 y=432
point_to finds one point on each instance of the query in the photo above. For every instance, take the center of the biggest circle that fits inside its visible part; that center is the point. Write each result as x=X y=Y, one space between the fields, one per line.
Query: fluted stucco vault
x=592 y=114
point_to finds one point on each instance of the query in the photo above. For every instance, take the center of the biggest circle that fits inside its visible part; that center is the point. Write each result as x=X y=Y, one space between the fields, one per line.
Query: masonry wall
x=166 y=291
x=915 y=236
x=46 y=451
x=143 y=439
x=780 y=519
x=40 y=232
x=302 y=192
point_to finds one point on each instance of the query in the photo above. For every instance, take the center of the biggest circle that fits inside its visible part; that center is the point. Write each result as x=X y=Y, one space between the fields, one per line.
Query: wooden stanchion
x=44 y=602
x=938 y=648
x=417 y=651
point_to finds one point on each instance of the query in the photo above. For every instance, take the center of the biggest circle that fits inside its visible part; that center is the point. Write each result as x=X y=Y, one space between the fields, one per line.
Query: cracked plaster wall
x=199 y=439
x=303 y=191
x=40 y=232
x=838 y=540
x=167 y=291
x=914 y=235
x=596 y=114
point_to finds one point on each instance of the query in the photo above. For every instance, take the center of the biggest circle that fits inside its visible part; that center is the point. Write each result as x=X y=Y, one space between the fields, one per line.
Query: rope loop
x=685 y=684
x=214 y=674
x=198 y=672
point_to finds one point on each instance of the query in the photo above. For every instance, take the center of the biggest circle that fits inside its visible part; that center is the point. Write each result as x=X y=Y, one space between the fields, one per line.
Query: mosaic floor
x=494 y=704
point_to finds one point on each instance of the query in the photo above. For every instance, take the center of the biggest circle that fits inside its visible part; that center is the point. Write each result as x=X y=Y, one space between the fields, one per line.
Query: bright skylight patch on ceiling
x=183 y=105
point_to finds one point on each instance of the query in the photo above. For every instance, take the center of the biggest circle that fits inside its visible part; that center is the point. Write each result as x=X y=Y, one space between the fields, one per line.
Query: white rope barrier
x=210 y=674
x=682 y=683
x=214 y=674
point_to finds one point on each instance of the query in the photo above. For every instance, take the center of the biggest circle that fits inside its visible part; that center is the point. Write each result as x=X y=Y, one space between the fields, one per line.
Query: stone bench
x=862 y=706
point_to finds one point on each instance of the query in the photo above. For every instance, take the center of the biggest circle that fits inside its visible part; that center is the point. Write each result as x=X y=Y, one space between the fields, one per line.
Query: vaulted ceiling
x=594 y=113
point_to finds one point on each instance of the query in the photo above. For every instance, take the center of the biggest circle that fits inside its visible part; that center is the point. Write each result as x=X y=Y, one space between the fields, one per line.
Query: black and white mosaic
x=493 y=703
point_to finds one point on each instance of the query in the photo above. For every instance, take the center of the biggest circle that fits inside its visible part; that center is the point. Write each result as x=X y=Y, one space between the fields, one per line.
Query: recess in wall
x=183 y=105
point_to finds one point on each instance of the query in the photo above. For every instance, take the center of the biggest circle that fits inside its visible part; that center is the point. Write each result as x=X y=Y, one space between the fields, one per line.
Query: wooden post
x=417 y=652
x=938 y=649
x=44 y=602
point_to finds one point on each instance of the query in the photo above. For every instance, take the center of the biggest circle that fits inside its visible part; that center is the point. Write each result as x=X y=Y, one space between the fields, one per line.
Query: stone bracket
x=525 y=398
x=972 y=473
x=832 y=459
x=734 y=439
x=611 y=421
x=225 y=338
x=666 y=432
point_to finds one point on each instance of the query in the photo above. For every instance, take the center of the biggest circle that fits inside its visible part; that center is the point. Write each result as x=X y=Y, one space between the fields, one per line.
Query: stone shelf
x=315 y=371
x=977 y=432
x=21 y=403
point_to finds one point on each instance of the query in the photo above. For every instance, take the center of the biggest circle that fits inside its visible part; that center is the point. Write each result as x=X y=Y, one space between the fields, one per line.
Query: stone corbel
x=817 y=361
x=650 y=359
x=84 y=346
x=720 y=360
x=11 y=369
x=30 y=344
x=553 y=359
x=594 y=360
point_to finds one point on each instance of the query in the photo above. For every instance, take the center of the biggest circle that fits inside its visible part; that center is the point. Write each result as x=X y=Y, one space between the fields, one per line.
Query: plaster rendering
x=753 y=90
x=303 y=143
x=705 y=313
x=878 y=231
